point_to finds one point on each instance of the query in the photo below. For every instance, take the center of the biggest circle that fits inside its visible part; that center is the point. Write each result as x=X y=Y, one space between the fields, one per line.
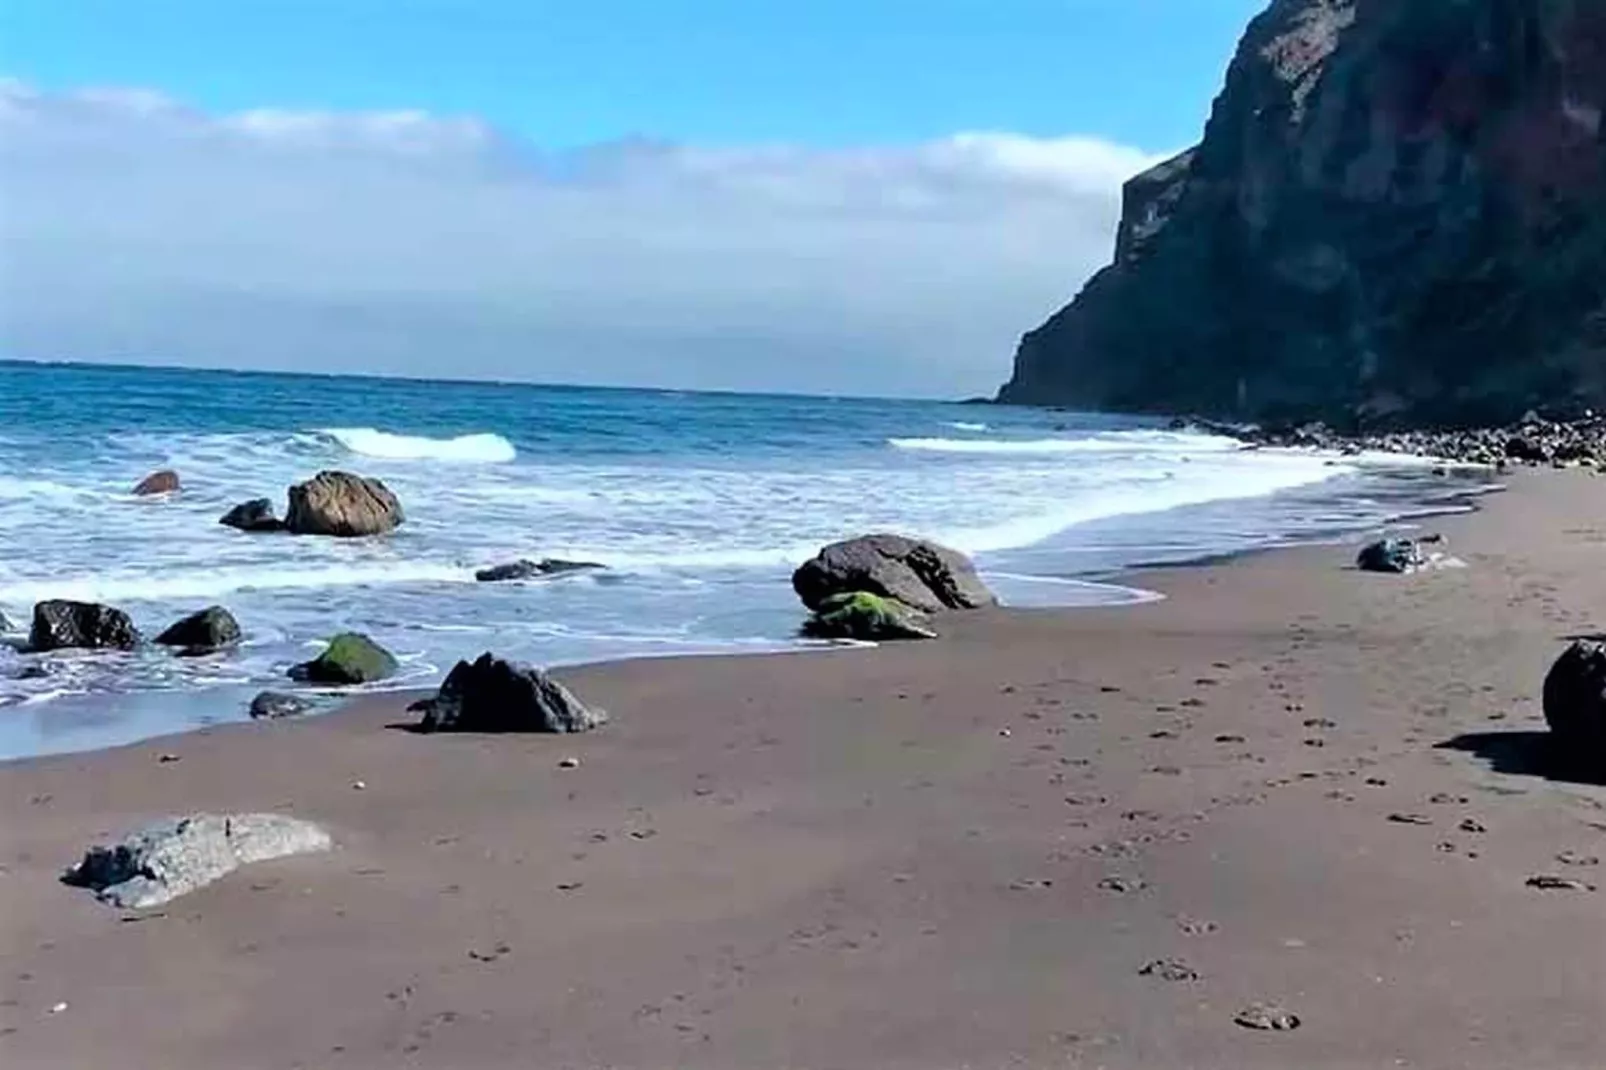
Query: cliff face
x=1397 y=216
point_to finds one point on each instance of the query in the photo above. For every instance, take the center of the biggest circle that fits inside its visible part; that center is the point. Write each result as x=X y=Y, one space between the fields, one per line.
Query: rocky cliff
x=1397 y=216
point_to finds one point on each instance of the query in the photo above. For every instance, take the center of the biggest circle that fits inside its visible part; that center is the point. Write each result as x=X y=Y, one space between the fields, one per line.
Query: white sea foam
x=960 y=425
x=1112 y=442
x=484 y=448
x=128 y=586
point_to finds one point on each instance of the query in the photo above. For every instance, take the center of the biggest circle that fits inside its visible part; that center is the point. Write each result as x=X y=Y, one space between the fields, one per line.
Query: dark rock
x=205 y=632
x=860 y=615
x=526 y=570
x=173 y=857
x=493 y=695
x=163 y=482
x=342 y=505
x=1396 y=217
x=1575 y=702
x=351 y=658
x=921 y=575
x=254 y=515
x=272 y=705
x=1267 y=1016
x=1391 y=555
x=59 y=625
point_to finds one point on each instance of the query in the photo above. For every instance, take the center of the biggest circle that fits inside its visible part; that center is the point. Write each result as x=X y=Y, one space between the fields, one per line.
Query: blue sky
x=845 y=108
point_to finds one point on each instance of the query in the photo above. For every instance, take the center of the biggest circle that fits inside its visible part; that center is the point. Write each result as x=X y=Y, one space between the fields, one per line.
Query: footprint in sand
x=1174 y=970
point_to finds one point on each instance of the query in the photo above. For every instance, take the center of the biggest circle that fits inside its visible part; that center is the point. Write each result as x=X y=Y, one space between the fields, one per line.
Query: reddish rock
x=163 y=482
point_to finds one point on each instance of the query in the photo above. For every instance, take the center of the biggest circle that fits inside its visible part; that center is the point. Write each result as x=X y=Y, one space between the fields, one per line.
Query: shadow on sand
x=1527 y=753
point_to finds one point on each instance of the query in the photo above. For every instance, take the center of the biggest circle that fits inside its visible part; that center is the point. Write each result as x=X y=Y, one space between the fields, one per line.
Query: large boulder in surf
x=350 y=658
x=861 y=615
x=61 y=625
x=920 y=574
x=206 y=632
x=1575 y=702
x=165 y=860
x=343 y=505
x=494 y=695
x=254 y=515
x=546 y=568
x=164 y=482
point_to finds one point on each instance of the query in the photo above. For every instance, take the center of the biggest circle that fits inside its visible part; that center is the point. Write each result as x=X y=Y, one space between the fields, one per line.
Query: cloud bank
x=135 y=228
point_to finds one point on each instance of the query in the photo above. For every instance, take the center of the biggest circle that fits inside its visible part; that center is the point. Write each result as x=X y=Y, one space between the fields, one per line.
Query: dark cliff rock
x=1397 y=216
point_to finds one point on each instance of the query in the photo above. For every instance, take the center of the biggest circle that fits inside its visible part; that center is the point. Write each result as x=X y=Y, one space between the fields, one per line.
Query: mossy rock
x=351 y=658
x=861 y=615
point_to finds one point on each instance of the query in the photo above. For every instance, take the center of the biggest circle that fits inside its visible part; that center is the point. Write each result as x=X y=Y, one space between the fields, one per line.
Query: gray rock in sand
x=176 y=856
x=921 y=575
x=493 y=695
x=254 y=515
x=272 y=705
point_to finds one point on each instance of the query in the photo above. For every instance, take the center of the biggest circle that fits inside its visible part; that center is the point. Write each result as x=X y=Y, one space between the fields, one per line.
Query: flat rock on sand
x=168 y=859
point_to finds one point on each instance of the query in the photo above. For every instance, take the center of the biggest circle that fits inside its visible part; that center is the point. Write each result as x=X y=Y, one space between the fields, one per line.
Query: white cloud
x=135 y=227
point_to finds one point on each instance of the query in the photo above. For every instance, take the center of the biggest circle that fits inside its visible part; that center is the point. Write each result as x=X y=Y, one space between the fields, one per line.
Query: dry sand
x=1304 y=784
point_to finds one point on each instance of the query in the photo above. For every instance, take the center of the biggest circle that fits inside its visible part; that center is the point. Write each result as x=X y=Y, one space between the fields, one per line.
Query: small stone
x=1549 y=883
x=359 y=785
x=166 y=758
x=569 y=763
x=1121 y=884
x=1170 y=970
x=57 y=1008
x=1267 y=1016
x=1004 y=732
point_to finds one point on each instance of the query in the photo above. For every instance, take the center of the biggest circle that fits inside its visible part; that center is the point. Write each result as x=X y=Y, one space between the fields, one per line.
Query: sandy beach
x=1287 y=782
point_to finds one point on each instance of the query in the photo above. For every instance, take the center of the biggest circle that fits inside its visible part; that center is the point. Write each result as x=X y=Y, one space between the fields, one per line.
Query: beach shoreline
x=1292 y=781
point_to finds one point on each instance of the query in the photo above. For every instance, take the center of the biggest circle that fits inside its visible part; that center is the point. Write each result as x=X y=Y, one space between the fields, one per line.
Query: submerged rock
x=60 y=625
x=168 y=859
x=206 y=632
x=921 y=575
x=861 y=615
x=1575 y=703
x=351 y=658
x=1391 y=555
x=494 y=695
x=272 y=705
x=254 y=515
x=164 y=482
x=342 y=505
x=527 y=570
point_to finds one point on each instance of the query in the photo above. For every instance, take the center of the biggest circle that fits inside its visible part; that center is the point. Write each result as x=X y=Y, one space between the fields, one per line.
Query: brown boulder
x=921 y=575
x=342 y=505
x=163 y=482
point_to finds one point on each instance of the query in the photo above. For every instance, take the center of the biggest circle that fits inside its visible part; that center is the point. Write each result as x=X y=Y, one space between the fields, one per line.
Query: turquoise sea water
x=698 y=504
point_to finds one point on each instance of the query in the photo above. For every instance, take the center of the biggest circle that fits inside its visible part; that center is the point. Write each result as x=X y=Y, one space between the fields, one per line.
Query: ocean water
x=699 y=506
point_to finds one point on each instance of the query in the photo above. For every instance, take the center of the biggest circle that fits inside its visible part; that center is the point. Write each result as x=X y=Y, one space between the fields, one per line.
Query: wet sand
x=1287 y=782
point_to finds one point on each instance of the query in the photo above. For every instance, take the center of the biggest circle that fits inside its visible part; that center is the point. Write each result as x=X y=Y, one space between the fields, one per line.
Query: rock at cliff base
x=546 y=568
x=205 y=632
x=1391 y=555
x=1575 y=703
x=254 y=515
x=342 y=505
x=351 y=658
x=61 y=625
x=167 y=859
x=495 y=695
x=921 y=575
x=861 y=615
x=273 y=705
x=164 y=482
